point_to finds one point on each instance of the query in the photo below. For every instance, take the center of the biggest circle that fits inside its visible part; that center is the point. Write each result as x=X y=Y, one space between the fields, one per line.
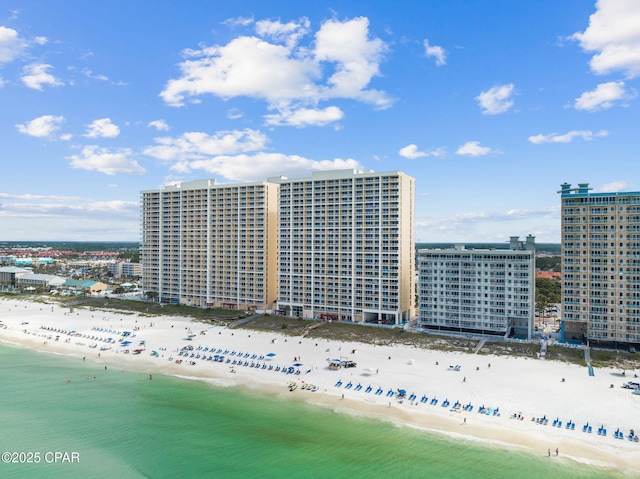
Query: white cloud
x=197 y=145
x=48 y=205
x=411 y=152
x=36 y=75
x=586 y=135
x=500 y=216
x=614 y=187
x=603 y=96
x=11 y=45
x=436 y=52
x=103 y=128
x=94 y=158
x=496 y=100
x=246 y=66
x=69 y=218
x=41 y=127
x=234 y=114
x=262 y=165
x=40 y=40
x=305 y=117
x=288 y=33
x=238 y=22
x=288 y=76
x=473 y=148
x=489 y=226
x=356 y=60
x=159 y=125
x=614 y=35
x=97 y=76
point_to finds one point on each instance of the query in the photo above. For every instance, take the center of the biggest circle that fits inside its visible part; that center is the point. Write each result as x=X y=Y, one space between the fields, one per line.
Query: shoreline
x=532 y=387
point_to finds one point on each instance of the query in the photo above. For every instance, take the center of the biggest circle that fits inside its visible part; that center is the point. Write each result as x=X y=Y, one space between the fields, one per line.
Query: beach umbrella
x=403 y=392
x=297 y=364
x=270 y=355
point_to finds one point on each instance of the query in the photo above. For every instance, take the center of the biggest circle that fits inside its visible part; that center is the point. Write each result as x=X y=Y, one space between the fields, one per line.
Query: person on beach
x=557 y=451
x=549 y=452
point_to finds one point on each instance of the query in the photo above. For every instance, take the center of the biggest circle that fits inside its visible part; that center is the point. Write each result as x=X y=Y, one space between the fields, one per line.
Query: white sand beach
x=530 y=388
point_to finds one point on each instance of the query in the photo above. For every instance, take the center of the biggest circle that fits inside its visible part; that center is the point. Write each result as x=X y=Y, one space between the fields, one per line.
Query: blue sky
x=490 y=105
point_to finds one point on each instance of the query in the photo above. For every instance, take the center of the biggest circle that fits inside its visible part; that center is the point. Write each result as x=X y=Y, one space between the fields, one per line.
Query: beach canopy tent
x=335 y=363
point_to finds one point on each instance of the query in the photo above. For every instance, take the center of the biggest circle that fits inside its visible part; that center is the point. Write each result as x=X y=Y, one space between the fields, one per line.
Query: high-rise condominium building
x=478 y=291
x=209 y=245
x=600 y=265
x=346 y=246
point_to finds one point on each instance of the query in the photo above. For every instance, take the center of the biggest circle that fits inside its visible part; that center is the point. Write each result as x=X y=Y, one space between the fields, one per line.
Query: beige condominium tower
x=210 y=245
x=600 y=265
x=346 y=246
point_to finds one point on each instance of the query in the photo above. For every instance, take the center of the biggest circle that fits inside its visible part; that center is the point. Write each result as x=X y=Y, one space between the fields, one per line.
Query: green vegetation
x=547 y=293
x=568 y=355
x=132 y=256
x=549 y=263
x=145 y=308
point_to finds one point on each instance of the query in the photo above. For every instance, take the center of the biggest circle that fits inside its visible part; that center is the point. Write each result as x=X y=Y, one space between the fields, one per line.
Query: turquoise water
x=121 y=424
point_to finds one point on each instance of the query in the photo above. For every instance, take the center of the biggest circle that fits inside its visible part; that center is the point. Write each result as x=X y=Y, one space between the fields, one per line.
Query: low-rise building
x=90 y=287
x=125 y=268
x=8 y=274
x=39 y=281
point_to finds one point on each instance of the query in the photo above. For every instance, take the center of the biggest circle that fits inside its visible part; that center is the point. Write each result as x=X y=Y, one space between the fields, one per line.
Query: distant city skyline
x=491 y=106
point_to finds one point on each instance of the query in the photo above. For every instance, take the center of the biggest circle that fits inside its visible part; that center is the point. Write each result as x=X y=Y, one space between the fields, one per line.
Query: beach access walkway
x=479 y=346
x=246 y=320
x=543 y=349
x=587 y=359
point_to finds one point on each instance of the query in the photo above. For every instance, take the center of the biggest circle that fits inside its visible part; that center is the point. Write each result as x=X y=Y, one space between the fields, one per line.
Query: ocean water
x=123 y=425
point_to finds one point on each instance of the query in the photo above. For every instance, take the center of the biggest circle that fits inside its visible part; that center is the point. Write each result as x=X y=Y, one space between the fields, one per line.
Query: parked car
x=631 y=385
x=349 y=364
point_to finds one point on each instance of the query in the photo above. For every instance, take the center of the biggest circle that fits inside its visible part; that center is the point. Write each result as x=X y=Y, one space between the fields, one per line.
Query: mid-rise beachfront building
x=600 y=265
x=121 y=268
x=346 y=246
x=210 y=245
x=485 y=292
